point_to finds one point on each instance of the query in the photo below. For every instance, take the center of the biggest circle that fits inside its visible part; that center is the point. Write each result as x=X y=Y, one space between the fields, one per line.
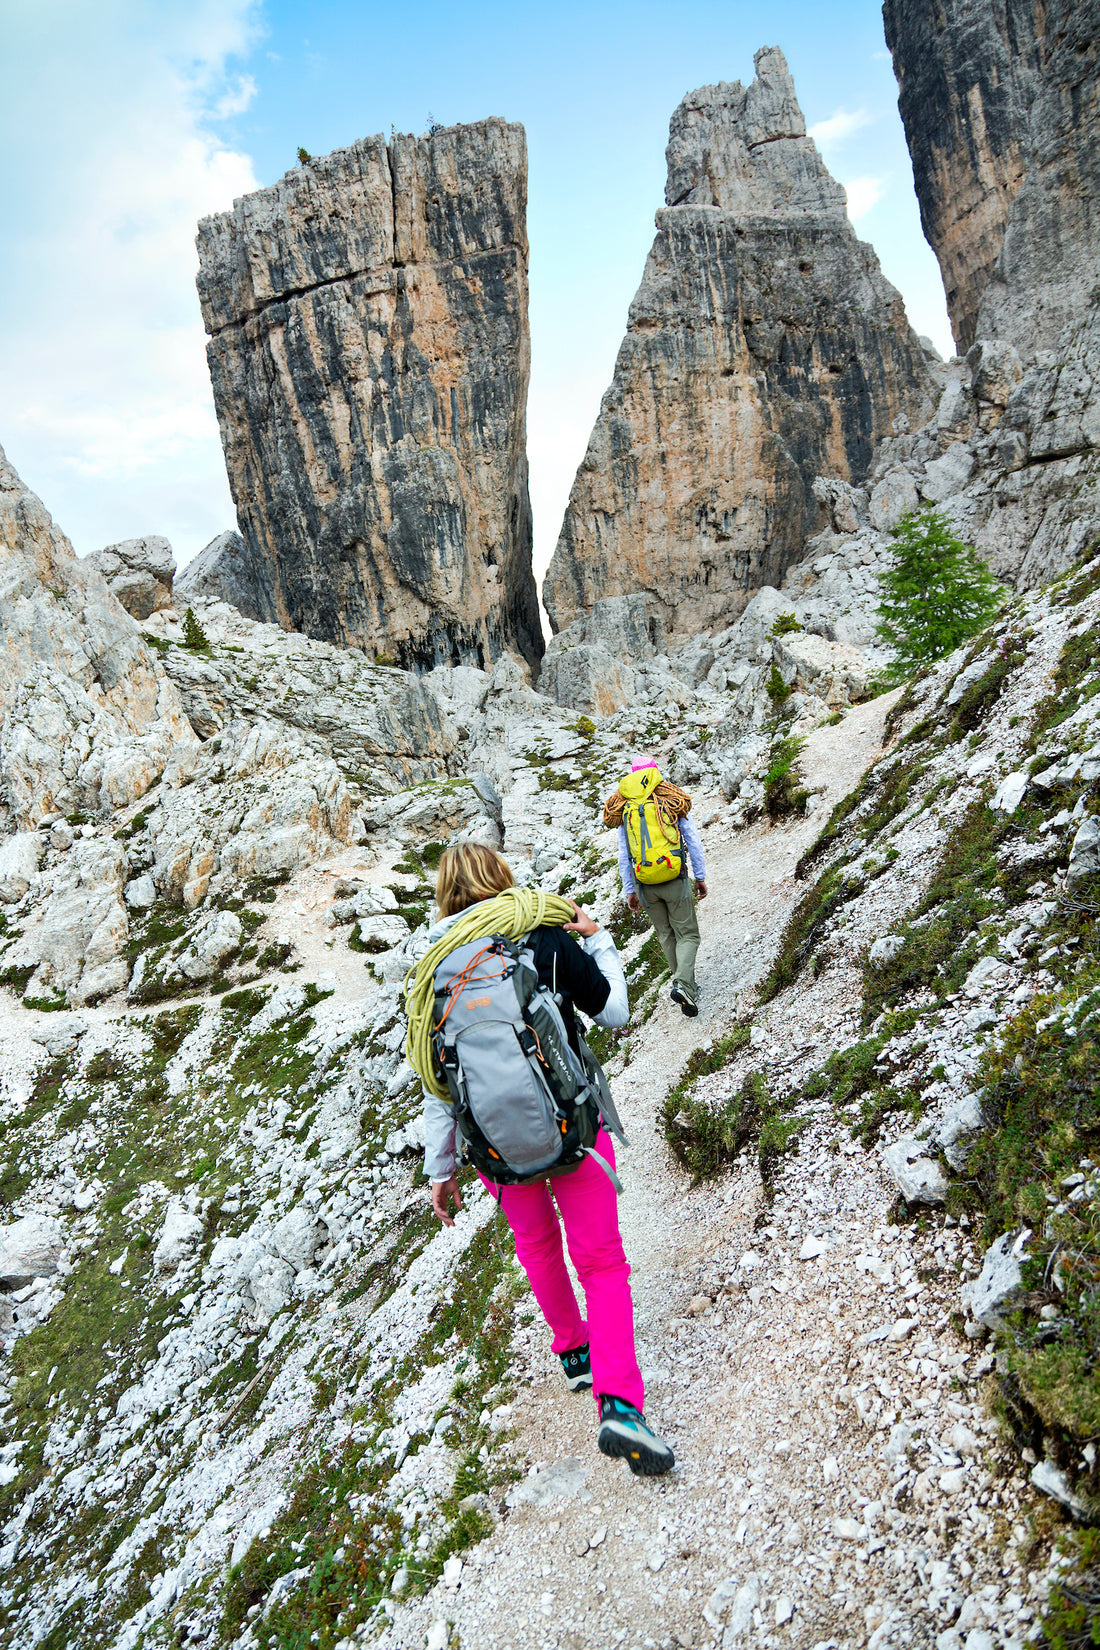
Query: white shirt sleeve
x=604 y=953
x=439 y=1138
x=690 y=838
x=626 y=867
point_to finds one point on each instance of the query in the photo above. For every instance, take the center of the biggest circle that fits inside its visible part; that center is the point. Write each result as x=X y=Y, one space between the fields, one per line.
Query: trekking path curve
x=779 y=1525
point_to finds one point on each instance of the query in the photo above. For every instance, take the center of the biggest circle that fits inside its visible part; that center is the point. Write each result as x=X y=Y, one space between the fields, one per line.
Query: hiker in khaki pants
x=670 y=906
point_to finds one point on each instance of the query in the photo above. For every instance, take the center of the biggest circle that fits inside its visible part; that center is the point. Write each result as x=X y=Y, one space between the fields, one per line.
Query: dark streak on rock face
x=369 y=354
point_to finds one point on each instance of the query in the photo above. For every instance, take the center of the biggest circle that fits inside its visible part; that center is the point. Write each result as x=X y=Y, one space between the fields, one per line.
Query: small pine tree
x=936 y=592
x=194 y=636
x=304 y=156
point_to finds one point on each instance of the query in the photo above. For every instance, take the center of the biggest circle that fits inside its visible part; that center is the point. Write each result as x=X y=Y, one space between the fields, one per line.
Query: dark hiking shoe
x=686 y=998
x=577 y=1366
x=623 y=1433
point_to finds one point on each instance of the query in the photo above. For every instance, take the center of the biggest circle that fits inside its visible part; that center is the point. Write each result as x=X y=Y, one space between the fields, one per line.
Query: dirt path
x=783 y=1424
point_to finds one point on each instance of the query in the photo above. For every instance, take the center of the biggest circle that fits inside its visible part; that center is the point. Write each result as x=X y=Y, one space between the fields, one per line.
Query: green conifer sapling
x=194 y=636
x=936 y=592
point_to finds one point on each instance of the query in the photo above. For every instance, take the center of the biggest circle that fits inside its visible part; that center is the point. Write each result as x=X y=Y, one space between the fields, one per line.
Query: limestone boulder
x=383 y=933
x=832 y=671
x=919 y=1177
x=297 y=1237
x=179 y=1237
x=29 y=1248
x=995 y=370
x=138 y=572
x=891 y=498
x=947 y=475
x=77 y=930
x=20 y=857
x=272 y=1284
x=993 y=1292
x=211 y=946
x=1084 y=854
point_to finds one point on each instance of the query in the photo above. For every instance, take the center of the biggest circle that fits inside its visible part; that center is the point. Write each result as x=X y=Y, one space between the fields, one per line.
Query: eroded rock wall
x=1000 y=104
x=369 y=353
x=966 y=74
x=764 y=347
x=88 y=718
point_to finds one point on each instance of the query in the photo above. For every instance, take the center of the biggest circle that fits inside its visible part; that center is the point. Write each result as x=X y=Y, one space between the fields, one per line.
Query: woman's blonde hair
x=469 y=873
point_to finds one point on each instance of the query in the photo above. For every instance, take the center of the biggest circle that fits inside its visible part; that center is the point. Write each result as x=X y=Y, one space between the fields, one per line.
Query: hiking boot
x=684 y=995
x=578 y=1367
x=623 y=1433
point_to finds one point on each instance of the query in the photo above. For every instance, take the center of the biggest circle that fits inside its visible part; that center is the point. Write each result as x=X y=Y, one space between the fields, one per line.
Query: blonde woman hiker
x=658 y=845
x=511 y=1087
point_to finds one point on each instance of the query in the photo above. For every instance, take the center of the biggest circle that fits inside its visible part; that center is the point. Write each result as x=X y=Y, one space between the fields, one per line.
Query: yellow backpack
x=653 y=834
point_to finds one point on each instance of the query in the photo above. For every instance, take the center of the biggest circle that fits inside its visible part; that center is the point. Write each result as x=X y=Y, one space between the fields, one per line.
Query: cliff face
x=369 y=353
x=1000 y=105
x=764 y=347
x=966 y=72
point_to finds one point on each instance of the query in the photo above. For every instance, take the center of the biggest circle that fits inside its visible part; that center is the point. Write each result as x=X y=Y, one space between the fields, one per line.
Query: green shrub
x=776 y=688
x=194 y=636
x=785 y=625
x=784 y=790
x=936 y=592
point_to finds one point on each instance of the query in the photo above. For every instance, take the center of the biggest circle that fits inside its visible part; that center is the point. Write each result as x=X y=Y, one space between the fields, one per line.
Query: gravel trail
x=794 y=1515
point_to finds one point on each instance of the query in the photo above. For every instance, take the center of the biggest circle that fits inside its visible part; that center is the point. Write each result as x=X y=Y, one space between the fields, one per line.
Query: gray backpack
x=526 y=1106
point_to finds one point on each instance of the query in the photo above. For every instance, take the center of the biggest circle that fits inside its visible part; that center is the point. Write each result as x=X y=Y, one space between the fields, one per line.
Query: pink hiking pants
x=589 y=1210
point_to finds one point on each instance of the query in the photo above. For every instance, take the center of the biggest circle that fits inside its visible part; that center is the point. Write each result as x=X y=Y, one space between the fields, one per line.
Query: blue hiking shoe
x=623 y=1433
x=578 y=1367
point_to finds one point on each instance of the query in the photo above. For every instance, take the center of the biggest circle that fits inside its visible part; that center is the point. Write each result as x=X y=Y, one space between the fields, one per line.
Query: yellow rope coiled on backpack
x=512 y=913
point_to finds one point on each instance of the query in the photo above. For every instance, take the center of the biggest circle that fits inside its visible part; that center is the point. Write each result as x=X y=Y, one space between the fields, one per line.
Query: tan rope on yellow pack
x=512 y=913
x=676 y=801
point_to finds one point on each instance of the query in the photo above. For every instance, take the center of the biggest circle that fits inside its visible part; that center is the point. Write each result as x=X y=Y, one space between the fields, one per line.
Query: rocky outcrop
x=966 y=77
x=139 y=572
x=224 y=572
x=369 y=354
x=764 y=347
x=1000 y=104
x=88 y=718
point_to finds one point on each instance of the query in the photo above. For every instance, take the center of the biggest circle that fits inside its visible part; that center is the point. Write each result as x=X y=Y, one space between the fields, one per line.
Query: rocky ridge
x=369 y=355
x=764 y=347
x=223 y=572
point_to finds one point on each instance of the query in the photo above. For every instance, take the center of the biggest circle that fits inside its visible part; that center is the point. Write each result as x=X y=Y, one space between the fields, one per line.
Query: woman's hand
x=441 y=1191
x=582 y=923
x=634 y=902
x=700 y=888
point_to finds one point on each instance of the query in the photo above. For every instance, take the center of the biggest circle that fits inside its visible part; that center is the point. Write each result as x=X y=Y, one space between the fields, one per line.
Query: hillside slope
x=253 y=1396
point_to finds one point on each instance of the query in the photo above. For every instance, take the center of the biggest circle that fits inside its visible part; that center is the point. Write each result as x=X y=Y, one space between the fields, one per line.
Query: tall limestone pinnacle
x=369 y=353
x=1001 y=100
x=764 y=347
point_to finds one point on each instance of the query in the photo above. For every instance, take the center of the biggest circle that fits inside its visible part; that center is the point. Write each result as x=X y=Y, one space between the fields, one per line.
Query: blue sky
x=134 y=117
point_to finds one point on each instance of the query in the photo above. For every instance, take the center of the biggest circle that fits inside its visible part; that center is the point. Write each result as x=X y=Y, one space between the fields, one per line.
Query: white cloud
x=103 y=383
x=837 y=128
x=863 y=194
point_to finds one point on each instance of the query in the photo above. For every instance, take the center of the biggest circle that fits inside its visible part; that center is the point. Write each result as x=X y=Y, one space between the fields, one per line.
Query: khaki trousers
x=670 y=907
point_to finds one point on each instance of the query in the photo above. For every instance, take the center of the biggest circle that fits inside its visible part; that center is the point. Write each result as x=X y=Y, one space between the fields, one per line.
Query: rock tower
x=1001 y=102
x=369 y=354
x=764 y=347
